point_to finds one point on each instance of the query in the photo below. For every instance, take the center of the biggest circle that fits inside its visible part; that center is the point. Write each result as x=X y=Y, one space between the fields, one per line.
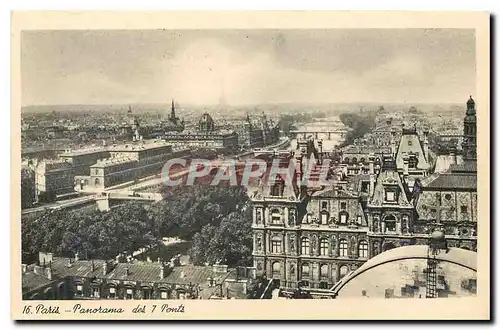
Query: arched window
x=362 y=160
x=363 y=249
x=276 y=217
x=305 y=269
x=324 y=217
x=97 y=182
x=343 y=271
x=304 y=245
x=61 y=291
x=48 y=294
x=354 y=160
x=323 y=246
x=278 y=188
x=343 y=248
x=323 y=272
x=276 y=268
x=346 y=160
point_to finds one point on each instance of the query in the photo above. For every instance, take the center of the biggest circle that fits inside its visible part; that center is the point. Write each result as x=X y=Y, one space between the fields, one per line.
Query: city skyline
x=248 y=66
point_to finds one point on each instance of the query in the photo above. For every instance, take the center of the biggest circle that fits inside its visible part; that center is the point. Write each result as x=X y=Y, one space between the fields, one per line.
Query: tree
x=28 y=190
x=229 y=243
x=125 y=228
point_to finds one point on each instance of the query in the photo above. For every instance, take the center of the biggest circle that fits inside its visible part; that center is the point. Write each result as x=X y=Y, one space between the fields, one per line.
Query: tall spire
x=172 y=112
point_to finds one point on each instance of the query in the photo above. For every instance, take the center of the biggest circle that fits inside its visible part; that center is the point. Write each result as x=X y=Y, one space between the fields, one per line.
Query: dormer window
x=278 y=188
x=391 y=194
x=343 y=205
x=409 y=142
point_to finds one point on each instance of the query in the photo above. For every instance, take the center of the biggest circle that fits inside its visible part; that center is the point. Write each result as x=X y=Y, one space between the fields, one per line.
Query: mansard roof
x=389 y=178
x=410 y=143
x=330 y=192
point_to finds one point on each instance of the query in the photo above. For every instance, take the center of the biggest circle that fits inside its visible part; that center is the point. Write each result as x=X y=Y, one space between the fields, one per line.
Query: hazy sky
x=248 y=66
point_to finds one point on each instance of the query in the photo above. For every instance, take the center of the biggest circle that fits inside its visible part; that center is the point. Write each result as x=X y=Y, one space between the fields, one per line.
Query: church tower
x=469 y=141
x=172 y=113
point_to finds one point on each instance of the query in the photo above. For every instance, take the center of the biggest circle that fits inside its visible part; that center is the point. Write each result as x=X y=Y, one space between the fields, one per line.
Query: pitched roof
x=331 y=193
x=32 y=281
x=410 y=143
x=388 y=177
x=453 y=181
x=465 y=167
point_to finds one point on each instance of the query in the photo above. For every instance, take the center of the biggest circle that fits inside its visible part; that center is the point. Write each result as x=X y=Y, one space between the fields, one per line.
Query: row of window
x=305 y=270
x=305 y=247
x=95 y=292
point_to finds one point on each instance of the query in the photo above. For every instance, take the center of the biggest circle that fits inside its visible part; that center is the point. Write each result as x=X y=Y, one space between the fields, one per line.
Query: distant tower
x=469 y=141
x=173 y=118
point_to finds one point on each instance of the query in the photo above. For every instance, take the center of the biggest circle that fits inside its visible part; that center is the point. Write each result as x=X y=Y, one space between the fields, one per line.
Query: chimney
x=92 y=265
x=49 y=273
x=372 y=177
x=371 y=163
x=24 y=268
x=76 y=257
x=104 y=268
x=164 y=270
x=182 y=274
x=127 y=271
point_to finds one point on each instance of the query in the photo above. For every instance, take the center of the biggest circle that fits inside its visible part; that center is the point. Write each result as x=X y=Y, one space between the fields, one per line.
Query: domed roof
x=206 y=122
x=471 y=107
x=470 y=101
x=462 y=257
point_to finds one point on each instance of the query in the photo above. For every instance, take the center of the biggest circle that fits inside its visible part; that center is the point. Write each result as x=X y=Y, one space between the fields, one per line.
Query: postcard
x=250 y=166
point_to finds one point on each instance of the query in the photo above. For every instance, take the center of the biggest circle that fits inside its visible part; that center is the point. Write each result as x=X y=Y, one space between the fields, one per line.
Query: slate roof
x=330 y=193
x=32 y=281
x=465 y=167
x=414 y=147
x=138 y=271
x=388 y=177
x=453 y=181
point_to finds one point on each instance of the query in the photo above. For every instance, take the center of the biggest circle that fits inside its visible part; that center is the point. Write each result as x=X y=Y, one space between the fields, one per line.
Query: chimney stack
x=371 y=160
x=127 y=271
x=104 y=268
x=426 y=145
x=76 y=257
x=162 y=270
x=49 y=273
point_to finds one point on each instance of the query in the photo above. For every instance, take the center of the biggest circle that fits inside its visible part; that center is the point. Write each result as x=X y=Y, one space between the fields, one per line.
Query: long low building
x=72 y=278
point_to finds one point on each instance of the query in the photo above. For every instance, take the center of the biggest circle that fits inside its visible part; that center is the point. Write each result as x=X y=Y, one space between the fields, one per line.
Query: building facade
x=53 y=178
x=312 y=238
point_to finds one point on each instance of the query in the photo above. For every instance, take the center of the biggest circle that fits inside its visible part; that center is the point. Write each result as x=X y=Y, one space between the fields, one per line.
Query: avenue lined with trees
x=216 y=219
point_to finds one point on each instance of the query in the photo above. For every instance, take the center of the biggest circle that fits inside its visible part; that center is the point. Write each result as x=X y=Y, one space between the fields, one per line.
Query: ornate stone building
x=312 y=237
x=449 y=199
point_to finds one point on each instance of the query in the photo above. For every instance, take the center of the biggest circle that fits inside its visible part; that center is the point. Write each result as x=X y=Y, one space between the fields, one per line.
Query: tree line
x=216 y=219
x=360 y=124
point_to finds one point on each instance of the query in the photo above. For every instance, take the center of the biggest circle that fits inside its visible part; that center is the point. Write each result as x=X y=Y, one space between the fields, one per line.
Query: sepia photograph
x=157 y=166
